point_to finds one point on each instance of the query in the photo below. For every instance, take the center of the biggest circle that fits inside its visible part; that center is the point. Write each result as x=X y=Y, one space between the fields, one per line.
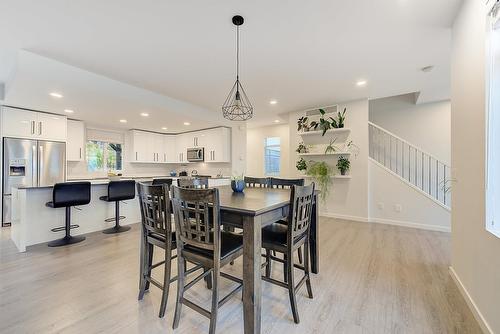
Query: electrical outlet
x=398 y=208
x=381 y=206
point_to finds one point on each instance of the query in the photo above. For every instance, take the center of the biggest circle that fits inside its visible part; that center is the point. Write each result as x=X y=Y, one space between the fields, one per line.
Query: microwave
x=195 y=154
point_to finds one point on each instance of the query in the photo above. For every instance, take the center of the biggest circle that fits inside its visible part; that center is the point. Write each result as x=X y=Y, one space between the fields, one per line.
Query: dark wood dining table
x=250 y=211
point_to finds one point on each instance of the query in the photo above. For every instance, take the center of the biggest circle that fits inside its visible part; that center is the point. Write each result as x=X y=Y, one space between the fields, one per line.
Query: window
x=272 y=155
x=493 y=135
x=103 y=156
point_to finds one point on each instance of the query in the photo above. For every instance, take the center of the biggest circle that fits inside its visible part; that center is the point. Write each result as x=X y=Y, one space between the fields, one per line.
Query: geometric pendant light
x=237 y=106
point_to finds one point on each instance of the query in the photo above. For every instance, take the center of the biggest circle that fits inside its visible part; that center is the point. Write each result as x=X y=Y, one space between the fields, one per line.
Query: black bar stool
x=66 y=195
x=118 y=191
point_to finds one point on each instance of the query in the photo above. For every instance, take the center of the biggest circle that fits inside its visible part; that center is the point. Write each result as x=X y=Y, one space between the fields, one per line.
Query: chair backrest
x=67 y=194
x=162 y=181
x=197 y=218
x=275 y=182
x=121 y=190
x=198 y=182
x=259 y=182
x=154 y=201
x=301 y=207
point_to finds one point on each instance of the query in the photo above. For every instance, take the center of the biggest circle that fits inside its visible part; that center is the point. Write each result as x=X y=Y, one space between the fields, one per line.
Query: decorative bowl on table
x=238 y=185
x=114 y=177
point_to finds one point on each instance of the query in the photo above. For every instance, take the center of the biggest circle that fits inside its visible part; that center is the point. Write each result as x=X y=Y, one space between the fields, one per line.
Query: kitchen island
x=32 y=221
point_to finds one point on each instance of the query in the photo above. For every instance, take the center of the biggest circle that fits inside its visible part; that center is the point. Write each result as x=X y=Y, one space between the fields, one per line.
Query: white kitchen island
x=32 y=221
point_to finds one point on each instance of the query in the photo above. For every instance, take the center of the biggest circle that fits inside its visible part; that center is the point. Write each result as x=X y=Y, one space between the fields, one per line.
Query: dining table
x=251 y=210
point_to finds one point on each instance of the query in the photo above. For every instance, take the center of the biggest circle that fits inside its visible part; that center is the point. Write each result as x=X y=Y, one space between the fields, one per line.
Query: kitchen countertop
x=105 y=180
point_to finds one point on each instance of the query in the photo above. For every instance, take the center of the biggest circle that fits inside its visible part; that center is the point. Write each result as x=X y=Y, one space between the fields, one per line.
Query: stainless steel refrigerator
x=30 y=163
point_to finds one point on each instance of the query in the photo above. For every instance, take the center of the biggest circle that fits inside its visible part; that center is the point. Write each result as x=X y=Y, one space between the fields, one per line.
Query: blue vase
x=237 y=185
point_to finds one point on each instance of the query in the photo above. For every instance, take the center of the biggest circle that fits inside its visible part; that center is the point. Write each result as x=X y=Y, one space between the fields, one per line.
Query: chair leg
x=306 y=269
x=285 y=268
x=180 y=289
x=291 y=288
x=215 y=300
x=142 y=269
x=208 y=279
x=150 y=250
x=166 y=281
x=299 y=252
x=268 y=266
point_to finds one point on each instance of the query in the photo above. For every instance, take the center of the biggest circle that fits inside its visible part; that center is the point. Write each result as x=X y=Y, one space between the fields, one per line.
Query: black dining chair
x=256 y=182
x=200 y=240
x=193 y=182
x=154 y=201
x=167 y=181
x=66 y=195
x=286 y=237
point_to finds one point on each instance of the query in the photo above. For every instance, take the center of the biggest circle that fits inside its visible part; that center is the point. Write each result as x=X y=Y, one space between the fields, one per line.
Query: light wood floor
x=374 y=279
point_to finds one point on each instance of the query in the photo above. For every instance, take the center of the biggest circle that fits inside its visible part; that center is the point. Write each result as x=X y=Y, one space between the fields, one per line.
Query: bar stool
x=118 y=191
x=66 y=195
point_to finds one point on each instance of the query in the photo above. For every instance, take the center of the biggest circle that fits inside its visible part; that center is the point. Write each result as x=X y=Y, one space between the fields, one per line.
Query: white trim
x=411 y=224
x=470 y=302
x=387 y=222
x=410 y=184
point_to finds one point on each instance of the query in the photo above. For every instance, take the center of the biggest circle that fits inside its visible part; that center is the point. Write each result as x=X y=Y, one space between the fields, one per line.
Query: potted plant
x=343 y=165
x=330 y=148
x=321 y=173
x=302 y=125
x=322 y=124
x=238 y=183
x=301 y=165
x=302 y=148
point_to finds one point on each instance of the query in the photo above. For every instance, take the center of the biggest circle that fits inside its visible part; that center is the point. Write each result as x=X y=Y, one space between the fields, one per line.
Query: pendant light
x=237 y=106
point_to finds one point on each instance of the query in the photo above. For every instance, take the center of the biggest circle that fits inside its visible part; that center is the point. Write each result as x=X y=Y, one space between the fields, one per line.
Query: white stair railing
x=420 y=169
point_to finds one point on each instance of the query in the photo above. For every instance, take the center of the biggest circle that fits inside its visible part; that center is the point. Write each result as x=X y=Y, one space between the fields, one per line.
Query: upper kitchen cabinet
x=218 y=145
x=150 y=147
x=19 y=123
x=75 y=146
x=170 y=152
x=182 y=143
x=142 y=148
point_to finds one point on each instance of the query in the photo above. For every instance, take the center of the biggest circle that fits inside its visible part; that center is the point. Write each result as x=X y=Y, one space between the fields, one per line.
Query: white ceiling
x=302 y=53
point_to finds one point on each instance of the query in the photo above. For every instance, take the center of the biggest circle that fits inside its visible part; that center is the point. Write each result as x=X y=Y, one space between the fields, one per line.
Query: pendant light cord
x=237 y=53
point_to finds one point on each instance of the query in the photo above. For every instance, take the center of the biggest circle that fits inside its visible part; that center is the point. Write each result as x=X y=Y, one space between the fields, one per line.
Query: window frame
x=266 y=146
x=105 y=169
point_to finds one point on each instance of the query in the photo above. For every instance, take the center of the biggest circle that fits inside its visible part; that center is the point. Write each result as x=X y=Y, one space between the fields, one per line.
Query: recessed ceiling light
x=69 y=111
x=361 y=83
x=273 y=102
x=123 y=121
x=276 y=121
x=56 y=95
x=164 y=128
x=187 y=123
x=144 y=114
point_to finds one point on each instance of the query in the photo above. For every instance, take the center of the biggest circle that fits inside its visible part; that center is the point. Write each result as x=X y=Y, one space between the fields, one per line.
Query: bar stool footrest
x=110 y=220
x=63 y=228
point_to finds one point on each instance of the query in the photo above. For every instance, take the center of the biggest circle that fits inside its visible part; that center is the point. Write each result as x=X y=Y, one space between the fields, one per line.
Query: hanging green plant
x=321 y=173
x=352 y=148
x=330 y=148
x=301 y=165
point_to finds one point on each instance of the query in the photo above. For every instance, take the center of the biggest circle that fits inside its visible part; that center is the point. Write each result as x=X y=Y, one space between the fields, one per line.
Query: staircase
x=412 y=165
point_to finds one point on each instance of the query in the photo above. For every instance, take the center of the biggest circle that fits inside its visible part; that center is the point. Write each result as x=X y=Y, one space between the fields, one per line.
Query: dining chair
x=198 y=182
x=200 y=240
x=288 y=236
x=275 y=182
x=256 y=182
x=156 y=231
x=166 y=181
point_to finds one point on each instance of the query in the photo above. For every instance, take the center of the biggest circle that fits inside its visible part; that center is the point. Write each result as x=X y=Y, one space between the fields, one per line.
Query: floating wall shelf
x=312 y=154
x=316 y=137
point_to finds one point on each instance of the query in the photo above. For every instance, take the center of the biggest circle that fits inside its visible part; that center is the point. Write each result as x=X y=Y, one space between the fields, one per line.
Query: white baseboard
x=387 y=222
x=470 y=302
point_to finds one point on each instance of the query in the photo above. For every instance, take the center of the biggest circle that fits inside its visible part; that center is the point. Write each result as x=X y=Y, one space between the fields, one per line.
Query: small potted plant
x=302 y=125
x=302 y=148
x=343 y=165
x=339 y=122
x=331 y=148
x=322 y=124
x=238 y=183
x=301 y=165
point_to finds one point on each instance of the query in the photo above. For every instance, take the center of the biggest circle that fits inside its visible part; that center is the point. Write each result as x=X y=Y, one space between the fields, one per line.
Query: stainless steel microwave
x=196 y=154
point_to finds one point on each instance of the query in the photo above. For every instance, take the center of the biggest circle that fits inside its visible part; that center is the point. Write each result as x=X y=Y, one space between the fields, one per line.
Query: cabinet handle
x=32 y=127
x=80 y=152
x=135 y=156
x=164 y=157
x=214 y=154
x=40 y=128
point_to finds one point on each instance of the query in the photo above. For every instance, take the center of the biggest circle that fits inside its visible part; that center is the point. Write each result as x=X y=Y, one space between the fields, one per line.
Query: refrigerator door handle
x=34 y=173
x=40 y=163
x=40 y=128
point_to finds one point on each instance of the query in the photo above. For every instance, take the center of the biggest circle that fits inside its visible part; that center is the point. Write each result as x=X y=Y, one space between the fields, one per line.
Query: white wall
x=237 y=166
x=349 y=197
x=255 y=149
x=475 y=252
x=388 y=191
x=426 y=125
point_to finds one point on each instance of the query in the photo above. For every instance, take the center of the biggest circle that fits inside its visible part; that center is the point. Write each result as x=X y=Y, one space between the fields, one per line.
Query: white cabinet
x=218 y=145
x=149 y=147
x=21 y=123
x=182 y=142
x=169 y=149
x=141 y=147
x=75 y=146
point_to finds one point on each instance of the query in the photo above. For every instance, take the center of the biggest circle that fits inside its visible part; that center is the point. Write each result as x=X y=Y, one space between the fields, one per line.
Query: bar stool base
x=66 y=241
x=116 y=229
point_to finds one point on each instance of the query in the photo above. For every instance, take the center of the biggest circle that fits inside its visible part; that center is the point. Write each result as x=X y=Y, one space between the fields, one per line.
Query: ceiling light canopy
x=164 y=128
x=56 y=95
x=237 y=106
x=187 y=123
x=144 y=114
x=69 y=111
x=276 y=121
x=273 y=102
x=123 y=121
x=361 y=83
